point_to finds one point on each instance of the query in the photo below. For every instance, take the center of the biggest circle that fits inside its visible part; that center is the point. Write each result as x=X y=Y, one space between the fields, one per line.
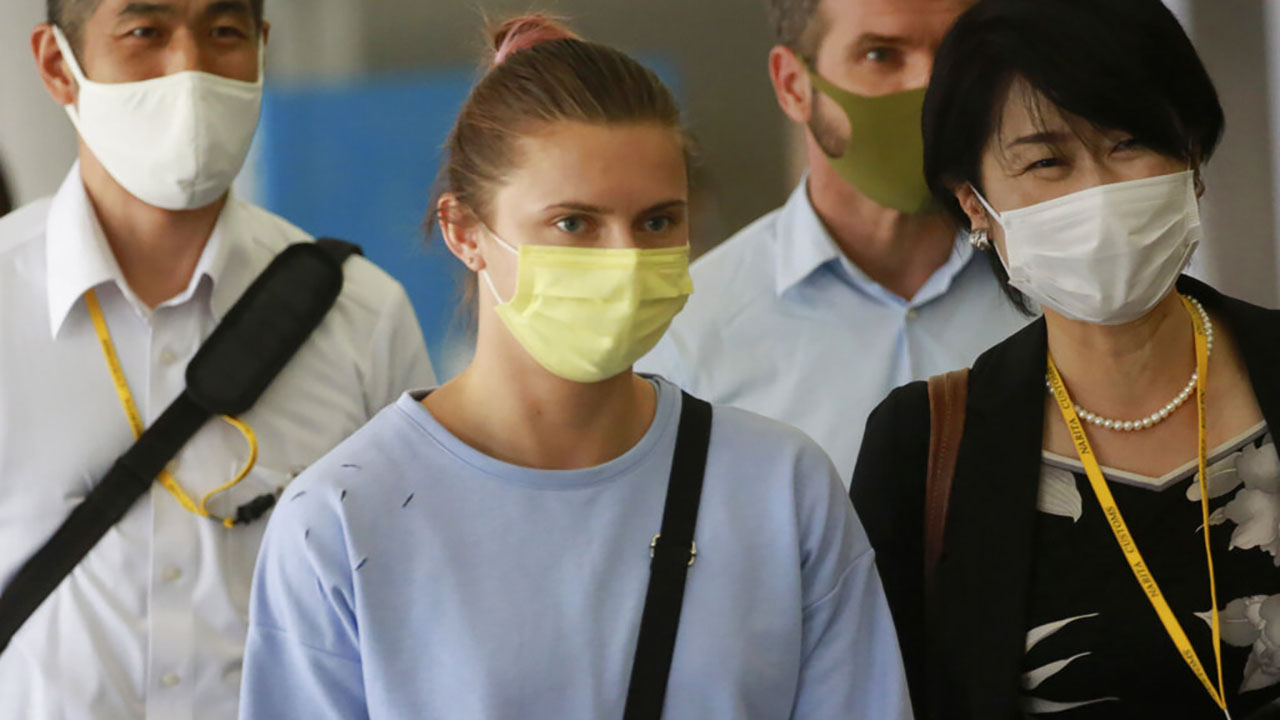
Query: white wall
x=317 y=38
x=37 y=144
x=1239 y=255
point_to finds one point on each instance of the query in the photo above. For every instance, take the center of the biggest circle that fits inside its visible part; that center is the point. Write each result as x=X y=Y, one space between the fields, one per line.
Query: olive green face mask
x=884 y=158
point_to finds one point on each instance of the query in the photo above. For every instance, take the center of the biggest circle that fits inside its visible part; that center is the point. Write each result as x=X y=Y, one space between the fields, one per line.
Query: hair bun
x=525 y=31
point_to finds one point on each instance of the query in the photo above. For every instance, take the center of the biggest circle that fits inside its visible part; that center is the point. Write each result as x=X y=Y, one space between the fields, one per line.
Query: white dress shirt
x=152 y=622
x=782 y=324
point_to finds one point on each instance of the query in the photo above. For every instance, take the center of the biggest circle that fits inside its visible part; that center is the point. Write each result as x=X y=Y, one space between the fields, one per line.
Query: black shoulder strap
x=252 y=343
x=339 y=250
x=674 y=552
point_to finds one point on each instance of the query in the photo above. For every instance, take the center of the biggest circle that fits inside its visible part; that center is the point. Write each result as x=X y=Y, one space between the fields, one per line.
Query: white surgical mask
x=1105 y=255
x=175 y=142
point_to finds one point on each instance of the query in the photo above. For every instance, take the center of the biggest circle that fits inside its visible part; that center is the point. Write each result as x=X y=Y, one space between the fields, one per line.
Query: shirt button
x=168 y=357
x=170 y=680
x=911 y=314
x=172 y=574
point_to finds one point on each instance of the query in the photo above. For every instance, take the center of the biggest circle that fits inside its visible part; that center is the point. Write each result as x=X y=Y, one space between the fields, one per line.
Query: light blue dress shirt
x=408 y=575
x=782 y=324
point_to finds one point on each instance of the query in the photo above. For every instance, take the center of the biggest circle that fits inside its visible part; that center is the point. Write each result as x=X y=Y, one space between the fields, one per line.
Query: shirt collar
x=803 y=245
x=78 y=257
x=941 y=280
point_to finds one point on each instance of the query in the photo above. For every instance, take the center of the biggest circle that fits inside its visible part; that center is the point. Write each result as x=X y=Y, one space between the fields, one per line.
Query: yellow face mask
x=587 y=314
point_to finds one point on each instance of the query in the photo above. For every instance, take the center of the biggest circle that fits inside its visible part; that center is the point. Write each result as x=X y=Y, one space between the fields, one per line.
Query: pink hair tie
x=525 y=32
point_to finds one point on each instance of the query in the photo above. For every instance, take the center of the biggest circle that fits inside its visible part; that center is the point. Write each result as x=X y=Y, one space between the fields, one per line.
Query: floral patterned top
x=1095 y=647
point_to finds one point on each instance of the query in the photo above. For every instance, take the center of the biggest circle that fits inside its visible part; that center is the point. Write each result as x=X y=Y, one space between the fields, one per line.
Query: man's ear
x=460 y=229
x=791 y=84
x=51 y=66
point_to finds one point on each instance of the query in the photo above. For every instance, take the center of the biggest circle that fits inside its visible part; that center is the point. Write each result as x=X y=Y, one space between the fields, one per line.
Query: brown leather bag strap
x=947 y=395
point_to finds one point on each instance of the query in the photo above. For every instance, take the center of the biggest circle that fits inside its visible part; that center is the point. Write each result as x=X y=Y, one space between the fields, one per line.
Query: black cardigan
x=984 y=573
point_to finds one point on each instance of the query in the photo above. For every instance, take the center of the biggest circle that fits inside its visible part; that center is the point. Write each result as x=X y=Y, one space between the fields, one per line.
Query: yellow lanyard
x=135 y=420
x=1121 y=531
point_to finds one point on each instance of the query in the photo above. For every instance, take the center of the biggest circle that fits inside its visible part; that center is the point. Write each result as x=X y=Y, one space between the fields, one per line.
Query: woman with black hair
x=1111 y=540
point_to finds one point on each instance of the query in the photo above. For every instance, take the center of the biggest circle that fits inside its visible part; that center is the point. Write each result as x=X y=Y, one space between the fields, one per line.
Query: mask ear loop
x=76 y=72
x=994 y=215
x=70 y=57
x=485 y=272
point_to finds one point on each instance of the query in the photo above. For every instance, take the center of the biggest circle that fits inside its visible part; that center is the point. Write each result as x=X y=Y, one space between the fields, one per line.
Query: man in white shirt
x=165 y=97
x=813 y=313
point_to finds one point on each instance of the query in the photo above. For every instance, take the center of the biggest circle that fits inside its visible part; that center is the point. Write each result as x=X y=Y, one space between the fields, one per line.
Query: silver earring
x=979 y=239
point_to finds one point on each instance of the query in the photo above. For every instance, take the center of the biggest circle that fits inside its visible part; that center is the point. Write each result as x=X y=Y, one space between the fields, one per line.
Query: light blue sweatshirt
x=407 y=575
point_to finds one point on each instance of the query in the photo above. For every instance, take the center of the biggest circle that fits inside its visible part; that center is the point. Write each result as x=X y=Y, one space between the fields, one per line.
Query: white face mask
x=1105 y=255
x=175 y=142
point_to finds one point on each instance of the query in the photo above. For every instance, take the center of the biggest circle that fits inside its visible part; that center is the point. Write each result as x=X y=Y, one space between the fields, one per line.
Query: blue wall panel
x=357 y=161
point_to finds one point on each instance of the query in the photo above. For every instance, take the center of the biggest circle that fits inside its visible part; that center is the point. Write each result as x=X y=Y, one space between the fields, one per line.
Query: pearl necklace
x=1163 y=413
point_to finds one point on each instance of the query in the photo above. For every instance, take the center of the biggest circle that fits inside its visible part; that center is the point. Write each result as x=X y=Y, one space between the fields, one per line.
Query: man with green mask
x=814 y=312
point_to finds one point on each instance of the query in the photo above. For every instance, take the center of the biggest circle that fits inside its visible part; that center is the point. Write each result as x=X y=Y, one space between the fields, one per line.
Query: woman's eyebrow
x=598 y=210
x=1048 y=137
x=578 y=207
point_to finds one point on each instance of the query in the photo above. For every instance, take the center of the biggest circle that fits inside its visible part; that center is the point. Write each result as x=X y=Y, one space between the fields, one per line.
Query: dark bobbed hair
x=1122 y=65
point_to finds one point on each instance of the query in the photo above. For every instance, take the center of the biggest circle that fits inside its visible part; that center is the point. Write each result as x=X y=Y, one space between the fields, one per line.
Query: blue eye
x=879 y=54
x=573 y=225
x=660 y=223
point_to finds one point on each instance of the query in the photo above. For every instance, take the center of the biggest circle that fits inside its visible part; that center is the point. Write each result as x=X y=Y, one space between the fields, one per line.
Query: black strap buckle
x=692 y=552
